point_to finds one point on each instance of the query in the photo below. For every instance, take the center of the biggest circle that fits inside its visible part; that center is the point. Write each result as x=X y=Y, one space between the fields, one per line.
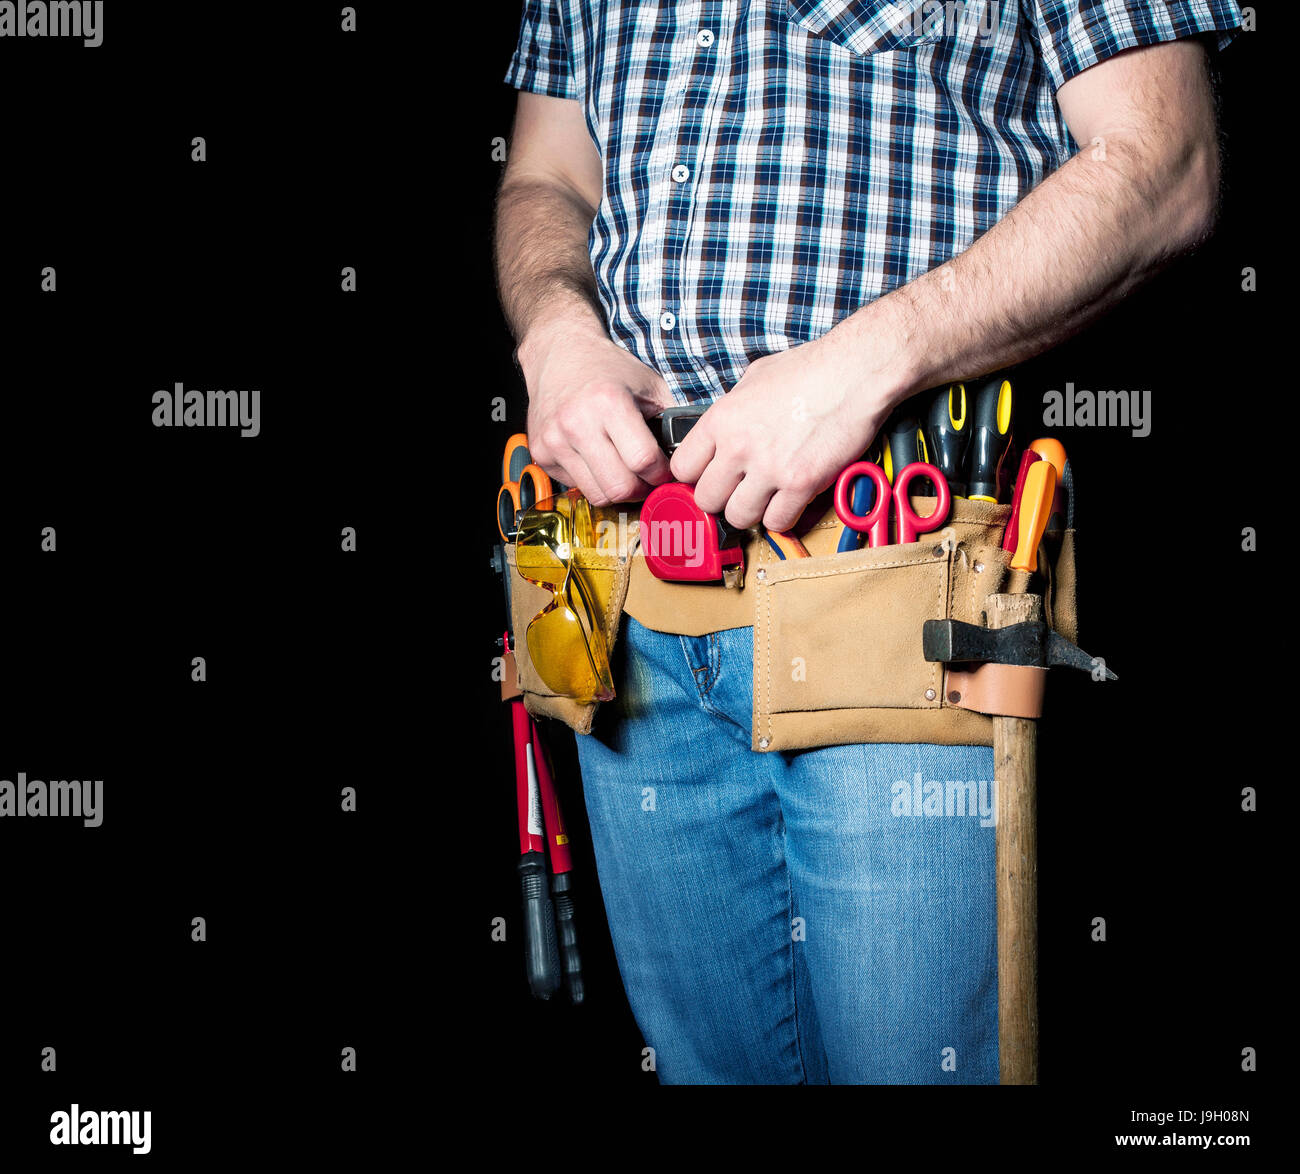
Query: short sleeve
x=1075 y=34
x=541 y=63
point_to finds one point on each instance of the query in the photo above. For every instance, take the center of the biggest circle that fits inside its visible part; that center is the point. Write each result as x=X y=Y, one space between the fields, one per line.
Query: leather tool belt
x=837 y=637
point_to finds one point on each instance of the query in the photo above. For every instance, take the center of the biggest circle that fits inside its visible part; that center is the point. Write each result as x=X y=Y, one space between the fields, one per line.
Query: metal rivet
x=954 y=697
x=763 y=743
x=762 y=574
x=930 y=694
x=979 y=567
x=937 y=552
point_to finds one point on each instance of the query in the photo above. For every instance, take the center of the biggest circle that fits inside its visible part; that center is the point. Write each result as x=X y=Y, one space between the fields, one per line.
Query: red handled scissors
x=896 y=503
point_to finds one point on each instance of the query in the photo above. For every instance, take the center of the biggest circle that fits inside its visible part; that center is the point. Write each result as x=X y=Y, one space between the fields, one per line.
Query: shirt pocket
x=869 y=26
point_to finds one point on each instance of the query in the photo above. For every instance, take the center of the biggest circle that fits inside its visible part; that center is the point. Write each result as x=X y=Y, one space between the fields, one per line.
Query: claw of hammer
x=1020 y=644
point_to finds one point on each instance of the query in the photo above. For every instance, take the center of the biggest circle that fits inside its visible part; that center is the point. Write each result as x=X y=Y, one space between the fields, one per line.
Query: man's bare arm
x=587 y=396
x=1142 y=189
x=545 y=207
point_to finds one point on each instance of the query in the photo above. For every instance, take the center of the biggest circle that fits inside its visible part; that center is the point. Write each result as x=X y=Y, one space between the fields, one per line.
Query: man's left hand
x=782 y=434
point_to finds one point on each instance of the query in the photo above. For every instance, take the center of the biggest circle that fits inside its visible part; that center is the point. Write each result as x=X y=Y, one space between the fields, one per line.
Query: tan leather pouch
x=1061 y=597
x=606 y=576
x=837 y=637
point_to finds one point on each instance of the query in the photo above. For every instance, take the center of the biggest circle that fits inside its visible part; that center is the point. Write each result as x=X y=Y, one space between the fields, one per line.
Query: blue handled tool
x=863 y=497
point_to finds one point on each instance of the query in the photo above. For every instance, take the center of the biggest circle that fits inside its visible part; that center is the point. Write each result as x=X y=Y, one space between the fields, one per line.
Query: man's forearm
x=543 y=268
x=587 y=396
x=1072 y=248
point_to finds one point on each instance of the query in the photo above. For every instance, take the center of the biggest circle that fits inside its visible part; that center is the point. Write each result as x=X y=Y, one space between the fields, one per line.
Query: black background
x=374 y=669
x=221 y=799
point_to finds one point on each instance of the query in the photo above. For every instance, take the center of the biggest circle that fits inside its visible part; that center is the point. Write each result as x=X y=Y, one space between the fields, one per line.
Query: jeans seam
x=712 y=678
x=703 y=676
x=690 y=666
x=794 y=983
x=711 y=670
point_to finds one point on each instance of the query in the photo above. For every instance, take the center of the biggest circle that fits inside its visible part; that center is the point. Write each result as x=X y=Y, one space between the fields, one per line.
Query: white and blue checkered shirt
x=772 y=165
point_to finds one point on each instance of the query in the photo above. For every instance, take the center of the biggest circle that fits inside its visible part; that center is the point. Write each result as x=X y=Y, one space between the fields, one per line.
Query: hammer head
x=1031 y=643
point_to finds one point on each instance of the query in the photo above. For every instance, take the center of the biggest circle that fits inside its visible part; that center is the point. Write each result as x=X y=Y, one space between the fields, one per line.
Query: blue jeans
x=813 y=917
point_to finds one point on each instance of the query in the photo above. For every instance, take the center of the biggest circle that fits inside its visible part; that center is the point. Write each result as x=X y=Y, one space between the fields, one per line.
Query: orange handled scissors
x=523 y=485
x=889 y=504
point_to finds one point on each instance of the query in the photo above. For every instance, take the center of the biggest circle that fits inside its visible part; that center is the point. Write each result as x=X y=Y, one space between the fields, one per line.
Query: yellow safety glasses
x=563 y=544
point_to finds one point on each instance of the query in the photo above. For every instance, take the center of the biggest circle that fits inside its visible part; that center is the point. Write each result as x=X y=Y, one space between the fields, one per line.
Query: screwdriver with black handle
x=947 y=435
x=904 y=445
x=990 y=438
x=561 y=860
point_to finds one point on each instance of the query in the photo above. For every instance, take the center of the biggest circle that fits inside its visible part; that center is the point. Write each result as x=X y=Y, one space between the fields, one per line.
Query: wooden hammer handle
x=1015 y=753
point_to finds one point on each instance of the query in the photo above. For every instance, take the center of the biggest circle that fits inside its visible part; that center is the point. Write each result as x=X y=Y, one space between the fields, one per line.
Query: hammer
x=1016 y=635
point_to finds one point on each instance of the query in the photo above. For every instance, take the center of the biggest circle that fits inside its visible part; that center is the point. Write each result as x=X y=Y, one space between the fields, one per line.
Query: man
x=806 y=211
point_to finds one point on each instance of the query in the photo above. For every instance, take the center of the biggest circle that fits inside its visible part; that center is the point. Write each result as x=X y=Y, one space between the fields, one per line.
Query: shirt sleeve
x=541 y=63
x=1076 y=34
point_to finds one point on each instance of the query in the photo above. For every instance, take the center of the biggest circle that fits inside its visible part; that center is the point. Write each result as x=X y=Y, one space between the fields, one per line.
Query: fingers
x=594 y=467
x=754 y=500
x=748 y=496
x=784 y=509
x=573 y=472
x=638 y=449
x=695 y=453
x=716 y=486
x=718 y=469
x=747 y=503
x=602 y=445
x=550 y=449
x=614 y=481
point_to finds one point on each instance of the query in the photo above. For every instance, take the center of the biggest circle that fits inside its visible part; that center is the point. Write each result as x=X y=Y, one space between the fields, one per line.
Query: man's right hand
x=588 y=400
x=587 y=397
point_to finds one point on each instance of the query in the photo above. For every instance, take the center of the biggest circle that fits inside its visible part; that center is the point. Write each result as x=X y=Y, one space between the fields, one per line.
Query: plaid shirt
x=772 y=165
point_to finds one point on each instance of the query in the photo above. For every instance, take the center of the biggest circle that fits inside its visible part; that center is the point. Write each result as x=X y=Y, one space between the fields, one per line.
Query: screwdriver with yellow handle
x=904 y=445
x=1035 y=507
x=947 y=427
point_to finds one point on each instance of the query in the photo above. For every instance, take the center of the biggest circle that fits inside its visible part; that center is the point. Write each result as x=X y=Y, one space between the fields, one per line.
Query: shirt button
x=704 y=38
x=681 y=173
x=667 y=320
